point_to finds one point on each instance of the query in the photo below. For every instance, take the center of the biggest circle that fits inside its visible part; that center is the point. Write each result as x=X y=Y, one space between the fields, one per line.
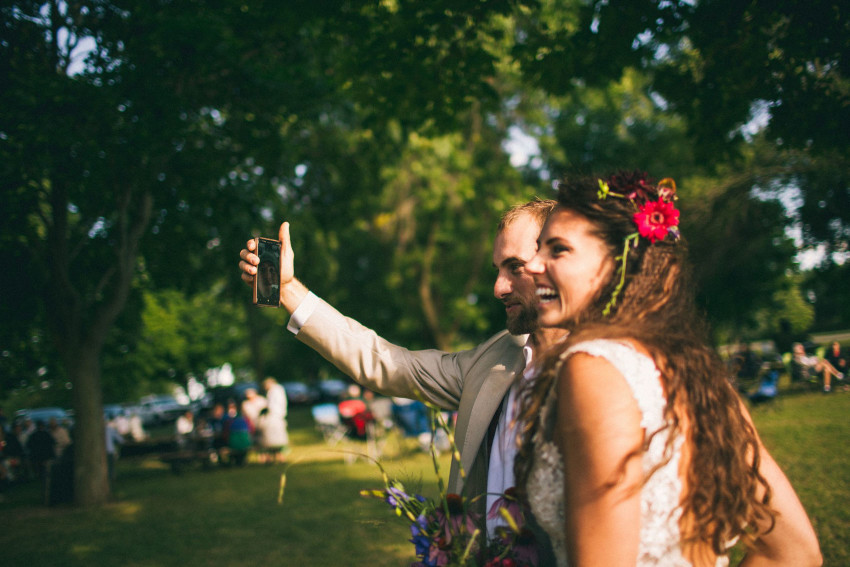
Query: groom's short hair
x=538 y=209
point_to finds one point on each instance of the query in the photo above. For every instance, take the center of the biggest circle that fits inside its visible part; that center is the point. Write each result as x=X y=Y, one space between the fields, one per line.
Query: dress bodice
x=660 y=539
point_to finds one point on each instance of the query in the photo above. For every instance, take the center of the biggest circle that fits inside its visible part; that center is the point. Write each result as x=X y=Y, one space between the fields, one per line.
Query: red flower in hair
x=655 y=219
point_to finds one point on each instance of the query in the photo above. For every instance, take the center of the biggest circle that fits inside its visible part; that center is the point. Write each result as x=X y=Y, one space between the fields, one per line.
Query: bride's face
x=570 y=267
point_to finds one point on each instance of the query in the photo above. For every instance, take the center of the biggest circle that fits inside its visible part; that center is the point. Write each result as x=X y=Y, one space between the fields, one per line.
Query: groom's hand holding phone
x=274 y=284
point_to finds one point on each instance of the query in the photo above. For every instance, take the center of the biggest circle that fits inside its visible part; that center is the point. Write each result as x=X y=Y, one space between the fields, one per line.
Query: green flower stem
x=632 y=238
x=469 y=547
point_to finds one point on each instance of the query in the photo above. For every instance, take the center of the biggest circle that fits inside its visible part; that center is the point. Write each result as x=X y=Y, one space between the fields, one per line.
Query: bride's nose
x=535 y=265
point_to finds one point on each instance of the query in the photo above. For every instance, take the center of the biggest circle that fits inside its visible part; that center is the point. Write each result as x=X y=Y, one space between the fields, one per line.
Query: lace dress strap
x=640 y=374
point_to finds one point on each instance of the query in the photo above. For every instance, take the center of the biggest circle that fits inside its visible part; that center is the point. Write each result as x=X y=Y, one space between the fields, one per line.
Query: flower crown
x=655 y=215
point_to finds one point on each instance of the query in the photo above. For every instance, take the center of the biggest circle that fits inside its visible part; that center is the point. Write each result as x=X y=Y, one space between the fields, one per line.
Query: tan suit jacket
x=472 y=382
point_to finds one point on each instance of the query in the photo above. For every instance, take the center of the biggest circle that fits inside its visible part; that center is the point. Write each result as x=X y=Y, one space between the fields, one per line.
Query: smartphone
x=267 y=280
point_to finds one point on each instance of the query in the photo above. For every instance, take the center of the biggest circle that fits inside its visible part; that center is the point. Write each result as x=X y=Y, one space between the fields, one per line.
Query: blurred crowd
x=30 y=449
x=232 y=429
x=37 y=445
x=756 y=372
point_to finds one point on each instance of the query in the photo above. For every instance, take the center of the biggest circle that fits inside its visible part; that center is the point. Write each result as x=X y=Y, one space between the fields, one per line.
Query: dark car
x=299 y=393
x=332 y=390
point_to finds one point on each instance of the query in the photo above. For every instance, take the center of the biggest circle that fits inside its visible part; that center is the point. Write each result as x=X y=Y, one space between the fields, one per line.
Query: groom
x=476 y=383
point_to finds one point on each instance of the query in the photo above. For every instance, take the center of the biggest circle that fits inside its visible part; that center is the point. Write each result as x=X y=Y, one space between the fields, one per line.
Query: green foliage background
x=142 y=143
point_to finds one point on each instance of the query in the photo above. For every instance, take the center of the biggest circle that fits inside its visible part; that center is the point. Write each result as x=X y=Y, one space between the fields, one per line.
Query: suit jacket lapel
x=487 y=401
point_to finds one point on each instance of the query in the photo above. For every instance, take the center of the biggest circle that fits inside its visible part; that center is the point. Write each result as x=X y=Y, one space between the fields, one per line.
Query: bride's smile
x=571 y=265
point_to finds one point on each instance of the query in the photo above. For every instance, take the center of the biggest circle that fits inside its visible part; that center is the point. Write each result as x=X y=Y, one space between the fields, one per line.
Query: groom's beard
x=524 y=322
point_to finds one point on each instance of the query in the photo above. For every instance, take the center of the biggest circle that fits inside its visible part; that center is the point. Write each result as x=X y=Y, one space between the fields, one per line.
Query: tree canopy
x=143 y=142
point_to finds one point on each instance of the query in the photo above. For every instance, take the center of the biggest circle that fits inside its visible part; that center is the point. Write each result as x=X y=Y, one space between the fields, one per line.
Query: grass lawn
x=230 y=517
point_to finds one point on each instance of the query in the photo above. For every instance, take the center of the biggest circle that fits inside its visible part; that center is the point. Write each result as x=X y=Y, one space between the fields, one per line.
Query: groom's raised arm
x=356 y=350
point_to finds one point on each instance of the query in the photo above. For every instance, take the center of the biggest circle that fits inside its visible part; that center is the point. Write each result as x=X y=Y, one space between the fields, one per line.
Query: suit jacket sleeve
x=431 y=375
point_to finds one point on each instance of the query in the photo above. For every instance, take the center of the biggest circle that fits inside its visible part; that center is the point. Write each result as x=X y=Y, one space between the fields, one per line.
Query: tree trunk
x=91 y=482
x=80 y=322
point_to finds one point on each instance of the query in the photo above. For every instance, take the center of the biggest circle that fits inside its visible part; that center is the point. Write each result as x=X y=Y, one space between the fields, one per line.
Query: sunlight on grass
x=81 y=551
x=160 y=519
x=127 y=511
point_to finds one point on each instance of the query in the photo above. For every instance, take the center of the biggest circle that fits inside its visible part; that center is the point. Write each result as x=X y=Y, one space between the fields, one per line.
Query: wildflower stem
x=630 y=239
x=435 y=415
x=469 y=547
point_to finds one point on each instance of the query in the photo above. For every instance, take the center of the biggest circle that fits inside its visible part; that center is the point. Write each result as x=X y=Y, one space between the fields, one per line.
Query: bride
x=635 y=449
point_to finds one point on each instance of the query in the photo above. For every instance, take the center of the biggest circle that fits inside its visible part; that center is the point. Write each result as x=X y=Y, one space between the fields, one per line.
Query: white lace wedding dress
x=659 y=512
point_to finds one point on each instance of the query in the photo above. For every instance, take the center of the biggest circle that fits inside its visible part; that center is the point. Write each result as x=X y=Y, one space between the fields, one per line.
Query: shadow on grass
x=230 y=517
x=222 y=517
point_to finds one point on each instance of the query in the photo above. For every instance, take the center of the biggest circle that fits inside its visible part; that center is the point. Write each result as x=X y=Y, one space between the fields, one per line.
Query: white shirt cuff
x=299 y=317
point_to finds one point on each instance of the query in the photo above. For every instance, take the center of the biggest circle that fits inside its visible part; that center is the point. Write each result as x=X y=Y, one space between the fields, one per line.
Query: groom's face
x=514 y=287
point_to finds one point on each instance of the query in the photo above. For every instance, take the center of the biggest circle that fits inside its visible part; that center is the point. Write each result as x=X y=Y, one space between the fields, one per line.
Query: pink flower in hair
x=655 y=219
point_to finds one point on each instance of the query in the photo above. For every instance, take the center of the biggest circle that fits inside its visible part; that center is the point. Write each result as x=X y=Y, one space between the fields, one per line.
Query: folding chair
x=378 y=430
x=338 y=424
x=329 y=423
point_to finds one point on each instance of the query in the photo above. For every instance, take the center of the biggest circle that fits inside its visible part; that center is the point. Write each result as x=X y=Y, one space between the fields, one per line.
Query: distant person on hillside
x=272 y=433
x=6 y=476
x=239 y=434
x=805 y=367
x=217 y=420
x=27 y=429
x=60 y=435
x=42 y=449
x=355 y=413
x=253 y=404
x=15 y=453
x=184 y=429
x=836 y=356
x=137 y=427
x=113 y=442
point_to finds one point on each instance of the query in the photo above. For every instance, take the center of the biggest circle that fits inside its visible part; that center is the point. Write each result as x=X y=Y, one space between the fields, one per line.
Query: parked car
x=299 y=393
x=44 y=415
x=332 y=390
x=160 y=409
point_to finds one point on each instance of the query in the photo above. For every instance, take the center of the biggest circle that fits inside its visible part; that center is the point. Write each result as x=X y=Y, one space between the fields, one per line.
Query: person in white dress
x=273 y=434
x=635 y=448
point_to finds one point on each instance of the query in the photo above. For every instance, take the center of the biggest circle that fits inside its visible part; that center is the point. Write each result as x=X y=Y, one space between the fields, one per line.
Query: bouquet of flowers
x=446 y=532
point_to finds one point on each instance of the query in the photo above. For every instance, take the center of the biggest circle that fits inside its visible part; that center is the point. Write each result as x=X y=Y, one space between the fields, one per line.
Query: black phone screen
x=267 y=280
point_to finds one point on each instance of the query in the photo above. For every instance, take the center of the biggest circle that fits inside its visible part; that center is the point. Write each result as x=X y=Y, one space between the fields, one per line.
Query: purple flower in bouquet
x=508 y=507
x=396 y=496
x=420 y=539
x=458 y=522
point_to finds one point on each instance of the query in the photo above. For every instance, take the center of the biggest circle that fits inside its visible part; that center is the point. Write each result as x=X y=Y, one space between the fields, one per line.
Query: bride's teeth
x=546 y=294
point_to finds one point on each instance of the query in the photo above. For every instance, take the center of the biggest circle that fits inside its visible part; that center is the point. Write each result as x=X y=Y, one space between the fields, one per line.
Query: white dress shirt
x=500 y=475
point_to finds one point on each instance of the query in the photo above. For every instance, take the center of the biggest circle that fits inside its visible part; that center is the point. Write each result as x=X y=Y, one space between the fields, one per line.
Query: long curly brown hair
x=725 y=496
